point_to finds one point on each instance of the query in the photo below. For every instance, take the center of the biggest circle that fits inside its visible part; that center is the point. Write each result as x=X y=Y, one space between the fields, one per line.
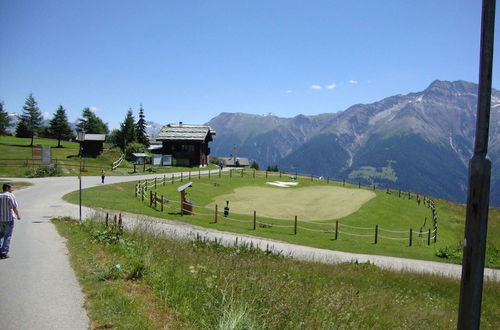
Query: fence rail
x=214 y=215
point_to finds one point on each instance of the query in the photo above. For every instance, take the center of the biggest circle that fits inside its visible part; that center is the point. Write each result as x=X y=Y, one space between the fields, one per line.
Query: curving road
x=39 y=289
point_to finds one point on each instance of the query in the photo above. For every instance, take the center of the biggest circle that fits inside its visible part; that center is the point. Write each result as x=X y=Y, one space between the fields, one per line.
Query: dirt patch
x=311 y=203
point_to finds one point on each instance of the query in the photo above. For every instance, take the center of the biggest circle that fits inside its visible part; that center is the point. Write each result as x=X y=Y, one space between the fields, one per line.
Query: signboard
x=36 y=151
x=166 y=160
x=156 y=159
x=46 y=155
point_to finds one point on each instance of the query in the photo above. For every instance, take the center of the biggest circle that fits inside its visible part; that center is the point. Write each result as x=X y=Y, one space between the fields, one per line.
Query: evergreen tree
x=91 y=124
x=4 y=120
x=31 y=119
x=127 y=131
x=59 y=127
x=255 y=165
x=140 y=128
x=22 y=130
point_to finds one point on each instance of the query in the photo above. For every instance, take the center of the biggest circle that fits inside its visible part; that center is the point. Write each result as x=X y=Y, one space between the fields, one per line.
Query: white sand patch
x=282 y=184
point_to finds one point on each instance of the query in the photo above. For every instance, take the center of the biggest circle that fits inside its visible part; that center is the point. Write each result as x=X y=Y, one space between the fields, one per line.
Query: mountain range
x=419 y=142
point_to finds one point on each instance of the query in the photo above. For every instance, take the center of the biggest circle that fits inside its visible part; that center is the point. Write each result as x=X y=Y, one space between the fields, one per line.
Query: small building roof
x=185 y=132
x=139 y=155
x=94 y=137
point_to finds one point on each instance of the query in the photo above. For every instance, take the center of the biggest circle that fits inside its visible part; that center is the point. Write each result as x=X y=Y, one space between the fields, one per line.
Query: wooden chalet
x=92 y=145
x=188 y=144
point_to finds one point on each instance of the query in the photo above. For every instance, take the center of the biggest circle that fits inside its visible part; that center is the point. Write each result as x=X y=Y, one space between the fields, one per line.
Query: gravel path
x=42 y=292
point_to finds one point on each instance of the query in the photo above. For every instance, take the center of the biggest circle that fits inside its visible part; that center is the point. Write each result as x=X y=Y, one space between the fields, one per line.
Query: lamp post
x=81 y=138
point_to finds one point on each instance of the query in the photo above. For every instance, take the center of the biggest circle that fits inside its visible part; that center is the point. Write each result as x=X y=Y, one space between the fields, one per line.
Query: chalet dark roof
x=185 y=132
x=94 y=137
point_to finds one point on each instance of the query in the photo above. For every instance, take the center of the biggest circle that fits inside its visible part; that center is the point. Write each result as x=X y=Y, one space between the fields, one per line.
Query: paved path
x=41 y=290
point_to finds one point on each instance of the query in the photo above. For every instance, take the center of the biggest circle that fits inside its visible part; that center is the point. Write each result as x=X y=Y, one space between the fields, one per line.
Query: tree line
x=131 y=134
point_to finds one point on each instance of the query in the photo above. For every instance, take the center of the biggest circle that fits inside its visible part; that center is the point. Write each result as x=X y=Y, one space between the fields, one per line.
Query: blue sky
x=191 y=60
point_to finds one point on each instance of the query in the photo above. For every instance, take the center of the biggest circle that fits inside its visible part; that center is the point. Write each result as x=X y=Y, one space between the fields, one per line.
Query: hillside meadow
x=16 y=160
x=391 y=212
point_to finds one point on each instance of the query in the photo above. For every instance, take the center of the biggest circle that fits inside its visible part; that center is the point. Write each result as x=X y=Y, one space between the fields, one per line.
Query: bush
x=42 y=172
x=272 y=168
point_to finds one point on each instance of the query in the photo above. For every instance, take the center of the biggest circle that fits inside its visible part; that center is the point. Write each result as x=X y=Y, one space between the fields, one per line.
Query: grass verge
x=165 y=283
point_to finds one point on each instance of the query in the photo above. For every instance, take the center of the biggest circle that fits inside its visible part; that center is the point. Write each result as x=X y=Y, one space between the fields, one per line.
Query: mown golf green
x=362 y=213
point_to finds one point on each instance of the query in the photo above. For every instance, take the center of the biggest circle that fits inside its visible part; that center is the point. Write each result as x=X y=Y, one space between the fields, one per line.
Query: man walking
x=8 y=208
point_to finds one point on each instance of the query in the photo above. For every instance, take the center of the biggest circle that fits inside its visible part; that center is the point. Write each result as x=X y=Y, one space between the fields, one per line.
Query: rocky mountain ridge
x=420 y=141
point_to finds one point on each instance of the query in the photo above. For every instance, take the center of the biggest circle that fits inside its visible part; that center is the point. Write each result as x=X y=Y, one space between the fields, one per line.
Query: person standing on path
x=103 y=175
x=8 y=208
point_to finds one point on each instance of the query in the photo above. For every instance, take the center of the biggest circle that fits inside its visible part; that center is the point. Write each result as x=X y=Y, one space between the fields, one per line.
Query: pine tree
x=127 y=131
x=4 y=120
x=31 y=119
x=140 y=128
x=91 y=124
x=59 y=127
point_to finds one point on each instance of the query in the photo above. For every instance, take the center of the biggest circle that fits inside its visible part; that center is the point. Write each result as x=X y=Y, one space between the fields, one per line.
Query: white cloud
x=331 y=86
x=315 y=87
x=46 y=115
x=93 y=109
x=289 y=91
x=353 y=82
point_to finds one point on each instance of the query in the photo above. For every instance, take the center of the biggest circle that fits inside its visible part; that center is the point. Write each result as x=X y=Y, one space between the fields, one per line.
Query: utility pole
x=476 y=224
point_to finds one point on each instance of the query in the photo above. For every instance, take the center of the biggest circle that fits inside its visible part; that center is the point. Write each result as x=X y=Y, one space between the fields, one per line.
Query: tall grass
x=205 y=285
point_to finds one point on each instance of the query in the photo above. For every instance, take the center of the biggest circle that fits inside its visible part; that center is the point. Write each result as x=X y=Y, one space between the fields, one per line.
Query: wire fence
x=146 y=191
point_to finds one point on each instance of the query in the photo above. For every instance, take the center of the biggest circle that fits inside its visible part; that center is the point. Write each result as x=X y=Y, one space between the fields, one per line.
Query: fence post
x=280 y=174
x=142 y=195
x=336 y=229
x=266 y=173
x=376 y=234
x=181 y=176
x=231 y=173
x=155 y=200
x=242 y=172
x=435 y=234
x=215 y=215
x=161 y=203
x=199 y=174
x=295 y=227
x=136 y=187
x=411 y=235
x=172 y=178
x=429 y=237
x=374 y=187
x=155 y=182
x=209 y=173
x=189 y=175
x=311 y=177
x=150 y=198
x=107 y=217
x=359 y=184
x=254 y=220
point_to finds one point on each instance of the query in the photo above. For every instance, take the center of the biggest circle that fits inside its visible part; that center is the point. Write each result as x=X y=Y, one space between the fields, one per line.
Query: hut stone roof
x=185 y=132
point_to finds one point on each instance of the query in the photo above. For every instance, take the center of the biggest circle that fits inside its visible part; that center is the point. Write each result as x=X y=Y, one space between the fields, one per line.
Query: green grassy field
x=169 y=284
x=389 y=211
x=16 y=160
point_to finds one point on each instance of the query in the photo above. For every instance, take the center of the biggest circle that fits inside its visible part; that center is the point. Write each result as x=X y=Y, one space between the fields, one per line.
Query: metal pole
x=476 y=223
